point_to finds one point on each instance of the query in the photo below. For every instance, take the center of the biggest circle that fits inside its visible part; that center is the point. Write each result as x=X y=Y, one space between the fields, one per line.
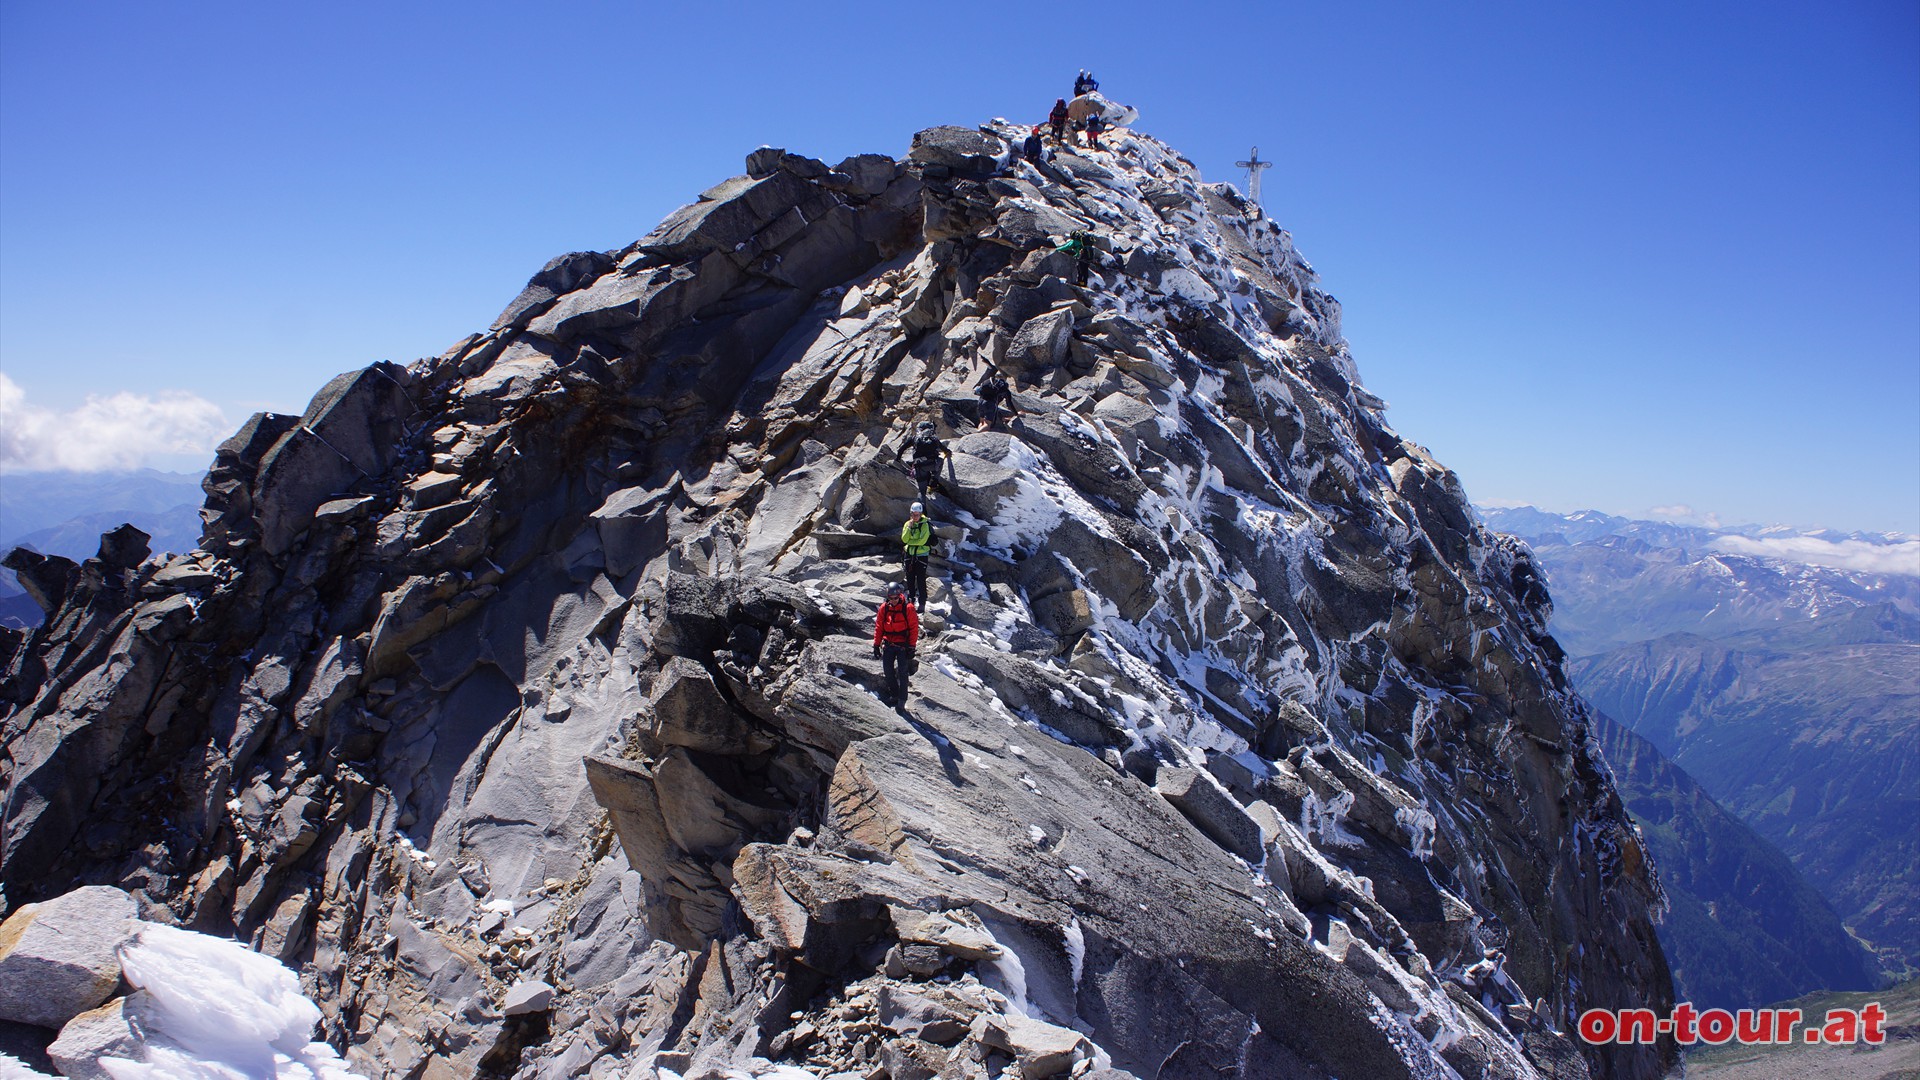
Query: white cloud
x=119 y=431
x=1901 y=558
x=1683 y=514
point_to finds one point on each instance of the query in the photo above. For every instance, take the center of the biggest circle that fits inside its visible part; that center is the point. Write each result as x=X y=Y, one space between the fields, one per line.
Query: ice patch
x=414 y=853
x=12 y=1068
x=1076 y=940
x=1008 y=975
x=1325 y=819
x=1419 y=825
x=221 y=1011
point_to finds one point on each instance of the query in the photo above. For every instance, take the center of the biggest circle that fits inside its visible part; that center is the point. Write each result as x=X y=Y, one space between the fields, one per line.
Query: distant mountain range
x=1616 y=581
x=1788 y=691
x=65 y=513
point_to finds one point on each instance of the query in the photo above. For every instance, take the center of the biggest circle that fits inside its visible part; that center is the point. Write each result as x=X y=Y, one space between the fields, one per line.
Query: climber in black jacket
x=922 y=454
x=1058 y=118
x=995 y=395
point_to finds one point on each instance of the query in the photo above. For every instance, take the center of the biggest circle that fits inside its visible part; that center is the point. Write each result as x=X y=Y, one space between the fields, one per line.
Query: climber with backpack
x=995 y=395
x=917 y=537
x=1094 y=125
x=923 y=453
x=1058 y=118
x=896 y=633
x=1079 y=244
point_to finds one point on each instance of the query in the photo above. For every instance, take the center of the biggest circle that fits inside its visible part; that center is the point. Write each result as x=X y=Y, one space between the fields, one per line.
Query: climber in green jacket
x=1080 y=245
x=917 y=536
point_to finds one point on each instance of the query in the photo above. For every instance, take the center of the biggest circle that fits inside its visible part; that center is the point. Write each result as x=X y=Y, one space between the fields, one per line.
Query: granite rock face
x=62 y=957
x=1236 y=745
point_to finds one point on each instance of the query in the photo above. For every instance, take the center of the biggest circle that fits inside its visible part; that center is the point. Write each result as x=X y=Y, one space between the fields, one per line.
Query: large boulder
x=124 y=548
x=116 y=1029
x=1038 y=1049
x=728 y=214
x=1042 y=342
x=562 y=275
x=351 y=430
x=46 y=579
x=1116 y=115
x=689 y=711
x=867 y=174
x=964 y=150
x=1200 y=797
x=62 y=957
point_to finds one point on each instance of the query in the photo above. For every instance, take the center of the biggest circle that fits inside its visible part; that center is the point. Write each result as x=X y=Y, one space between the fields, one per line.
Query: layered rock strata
x=1236 y=746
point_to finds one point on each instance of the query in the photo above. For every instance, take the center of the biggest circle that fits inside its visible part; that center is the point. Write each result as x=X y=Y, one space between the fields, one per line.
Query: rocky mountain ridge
x=1237 y=745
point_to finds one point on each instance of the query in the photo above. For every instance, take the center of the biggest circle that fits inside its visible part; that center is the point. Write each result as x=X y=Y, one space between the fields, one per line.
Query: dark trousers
x=917 y=580
x=896 y=662
x=926 y=475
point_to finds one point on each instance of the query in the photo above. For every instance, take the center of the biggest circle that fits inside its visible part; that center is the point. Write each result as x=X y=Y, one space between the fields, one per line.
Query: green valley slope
x=1807 y=733
x=1742 y=928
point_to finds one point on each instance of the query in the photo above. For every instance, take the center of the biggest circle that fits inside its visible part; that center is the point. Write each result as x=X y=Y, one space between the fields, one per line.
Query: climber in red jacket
x=896 y=632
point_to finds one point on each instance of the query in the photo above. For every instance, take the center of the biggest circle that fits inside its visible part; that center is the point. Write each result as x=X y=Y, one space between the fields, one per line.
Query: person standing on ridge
x=1058 y=118
x=1085 y=83
x=924 y=452
x=896 y=633
x=995 y=395
x=1095 y=126
x=917 y=537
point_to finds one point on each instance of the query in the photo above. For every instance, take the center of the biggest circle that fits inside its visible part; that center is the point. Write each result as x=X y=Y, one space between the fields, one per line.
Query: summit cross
x=1253 y=165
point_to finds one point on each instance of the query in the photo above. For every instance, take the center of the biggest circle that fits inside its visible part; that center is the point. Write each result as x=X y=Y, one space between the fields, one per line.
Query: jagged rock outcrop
x=1236 y=745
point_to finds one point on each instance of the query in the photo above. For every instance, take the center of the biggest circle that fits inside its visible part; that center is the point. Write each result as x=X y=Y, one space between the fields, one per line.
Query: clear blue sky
x=1621 y=256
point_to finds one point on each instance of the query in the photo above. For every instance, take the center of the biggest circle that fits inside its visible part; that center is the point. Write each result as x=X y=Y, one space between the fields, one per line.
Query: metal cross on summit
x=1253 y=165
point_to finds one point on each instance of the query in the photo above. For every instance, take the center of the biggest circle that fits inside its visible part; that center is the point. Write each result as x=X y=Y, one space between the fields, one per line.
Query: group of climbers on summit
x=1093 y=120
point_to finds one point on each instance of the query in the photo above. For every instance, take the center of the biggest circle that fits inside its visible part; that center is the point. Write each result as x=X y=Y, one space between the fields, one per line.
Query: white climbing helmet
x=917 y=508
